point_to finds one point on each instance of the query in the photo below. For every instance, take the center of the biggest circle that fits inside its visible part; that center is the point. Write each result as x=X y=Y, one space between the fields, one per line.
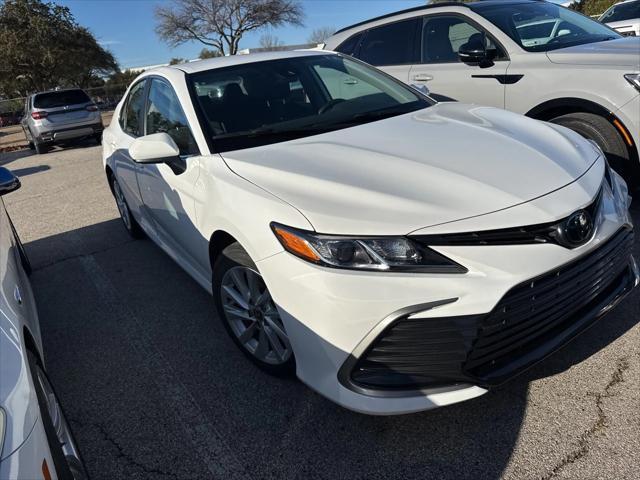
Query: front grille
x=529 y=234
x=532 y=320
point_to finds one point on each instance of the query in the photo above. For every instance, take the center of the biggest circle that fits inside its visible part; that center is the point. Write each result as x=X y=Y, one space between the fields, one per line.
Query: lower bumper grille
x=532 y=320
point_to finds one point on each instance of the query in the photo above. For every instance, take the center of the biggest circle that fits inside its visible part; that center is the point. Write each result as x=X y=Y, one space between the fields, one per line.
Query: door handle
x=422 y=77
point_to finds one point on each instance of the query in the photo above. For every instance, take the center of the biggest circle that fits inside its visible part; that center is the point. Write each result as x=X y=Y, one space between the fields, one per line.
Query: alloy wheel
x=253 y=317
x=61 y=427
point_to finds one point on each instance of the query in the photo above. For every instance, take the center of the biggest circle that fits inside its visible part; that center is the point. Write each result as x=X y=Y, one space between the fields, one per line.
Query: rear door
x=390 y=47
x=440 y=69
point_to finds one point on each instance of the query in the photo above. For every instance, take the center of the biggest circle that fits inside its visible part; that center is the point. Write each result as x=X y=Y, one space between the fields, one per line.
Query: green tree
x=592 y=7
x=222 y=23
x=42 y=47
x=176 y=61
x=121 y=78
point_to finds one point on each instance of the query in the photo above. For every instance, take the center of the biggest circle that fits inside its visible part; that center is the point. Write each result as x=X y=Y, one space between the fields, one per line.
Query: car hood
x=441 y=164
x=619 y=52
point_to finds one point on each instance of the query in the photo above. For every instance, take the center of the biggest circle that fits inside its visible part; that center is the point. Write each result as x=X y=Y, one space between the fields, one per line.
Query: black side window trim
x=356 y=49
x=470 y=21
x=146 y=106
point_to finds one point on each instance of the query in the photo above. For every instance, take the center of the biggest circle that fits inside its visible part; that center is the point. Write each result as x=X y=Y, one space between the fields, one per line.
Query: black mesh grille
x=531 y=320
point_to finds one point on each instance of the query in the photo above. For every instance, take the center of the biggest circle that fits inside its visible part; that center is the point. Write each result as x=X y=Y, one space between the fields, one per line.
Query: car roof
x=436 y=5
x=58 y=90
x=232 y=60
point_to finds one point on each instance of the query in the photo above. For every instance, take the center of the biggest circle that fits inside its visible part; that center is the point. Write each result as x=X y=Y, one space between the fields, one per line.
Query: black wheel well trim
x=219 y=240
x=563 y=106
x=110 y=176
x=31 y=345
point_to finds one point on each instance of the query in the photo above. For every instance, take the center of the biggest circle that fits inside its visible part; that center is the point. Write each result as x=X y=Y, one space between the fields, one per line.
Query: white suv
x=531 y=57
x=624 y=17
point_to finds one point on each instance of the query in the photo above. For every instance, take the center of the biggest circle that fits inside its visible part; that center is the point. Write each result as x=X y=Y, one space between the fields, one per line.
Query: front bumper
x=27 y=460
x=333 y=317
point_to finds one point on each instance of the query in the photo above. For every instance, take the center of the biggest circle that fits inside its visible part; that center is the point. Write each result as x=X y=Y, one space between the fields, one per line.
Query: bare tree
x=222 y=23
x=319 y=35
x=271 y=42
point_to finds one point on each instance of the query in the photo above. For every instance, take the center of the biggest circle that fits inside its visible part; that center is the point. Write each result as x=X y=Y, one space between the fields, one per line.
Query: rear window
x=60 y=99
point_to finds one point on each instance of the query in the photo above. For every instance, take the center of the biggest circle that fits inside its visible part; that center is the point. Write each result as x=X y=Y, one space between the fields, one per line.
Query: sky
x=126 y=27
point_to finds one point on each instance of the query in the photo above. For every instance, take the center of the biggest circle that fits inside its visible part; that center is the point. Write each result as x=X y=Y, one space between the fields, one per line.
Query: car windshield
x=62 y=98
x=277 y=100
x=542 y=26
x=621 y=11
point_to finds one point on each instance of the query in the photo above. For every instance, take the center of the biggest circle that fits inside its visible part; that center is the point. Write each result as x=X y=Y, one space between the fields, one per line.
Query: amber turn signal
x=295 y=244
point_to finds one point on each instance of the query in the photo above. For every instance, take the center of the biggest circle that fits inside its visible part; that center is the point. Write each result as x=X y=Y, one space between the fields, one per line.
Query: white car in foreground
x=398 y=254
x=35 y=439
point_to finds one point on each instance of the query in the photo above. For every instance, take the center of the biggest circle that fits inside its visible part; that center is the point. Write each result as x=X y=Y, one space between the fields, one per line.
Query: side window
x=130 y=114
x=350 y=46
x=391 y=44
x=442 y=37
x=164 y=114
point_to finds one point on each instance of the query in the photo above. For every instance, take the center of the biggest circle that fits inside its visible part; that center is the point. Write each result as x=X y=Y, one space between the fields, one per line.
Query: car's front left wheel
x=245 y=307
x=64 y=451
x=130 y=223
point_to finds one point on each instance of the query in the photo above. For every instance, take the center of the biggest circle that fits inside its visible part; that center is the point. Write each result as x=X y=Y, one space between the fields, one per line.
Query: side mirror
x=474 y=55
x=8 y=181
x=154 y=148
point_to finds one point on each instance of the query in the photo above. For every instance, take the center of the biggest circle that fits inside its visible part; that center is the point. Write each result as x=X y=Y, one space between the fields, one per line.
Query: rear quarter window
x=60 y=99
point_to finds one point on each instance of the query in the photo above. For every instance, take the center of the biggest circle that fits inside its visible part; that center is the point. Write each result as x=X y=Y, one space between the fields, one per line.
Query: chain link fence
x=105 y=96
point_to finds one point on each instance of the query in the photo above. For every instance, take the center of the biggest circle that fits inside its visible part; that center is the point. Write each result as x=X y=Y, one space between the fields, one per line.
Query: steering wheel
x=330 y=104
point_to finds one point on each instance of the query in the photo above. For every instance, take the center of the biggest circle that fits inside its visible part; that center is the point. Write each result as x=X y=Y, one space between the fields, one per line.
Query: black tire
x=26 y=264
x=41 y=148
x=130 y=223
x=66 y=468
x=600 y=130
x=97 y=138
x=235 y=256
x=29 y=142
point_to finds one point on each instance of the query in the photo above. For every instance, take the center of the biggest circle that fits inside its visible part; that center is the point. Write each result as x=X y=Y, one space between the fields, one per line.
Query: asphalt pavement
x=154 y=388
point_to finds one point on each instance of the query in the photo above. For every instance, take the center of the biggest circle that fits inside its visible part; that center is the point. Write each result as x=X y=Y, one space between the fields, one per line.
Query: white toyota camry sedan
x=396 y=253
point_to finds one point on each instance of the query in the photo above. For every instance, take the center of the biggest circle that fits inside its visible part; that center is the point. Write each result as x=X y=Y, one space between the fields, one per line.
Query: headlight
x=633 y=79
x=364 y=253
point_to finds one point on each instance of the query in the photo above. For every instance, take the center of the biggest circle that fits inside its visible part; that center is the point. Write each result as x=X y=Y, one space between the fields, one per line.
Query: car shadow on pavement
x=154 y=388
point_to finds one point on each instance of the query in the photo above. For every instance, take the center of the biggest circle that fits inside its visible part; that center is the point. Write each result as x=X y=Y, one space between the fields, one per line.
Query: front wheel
x=64 y=451
x=130 y=223
x=600 y=130
x=246 y=309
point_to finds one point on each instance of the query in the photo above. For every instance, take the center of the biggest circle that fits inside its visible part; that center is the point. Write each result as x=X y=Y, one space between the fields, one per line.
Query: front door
x=167 y=189
x=446 y=77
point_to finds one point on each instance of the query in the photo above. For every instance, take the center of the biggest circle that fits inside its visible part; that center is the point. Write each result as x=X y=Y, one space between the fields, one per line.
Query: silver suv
x=59 y=116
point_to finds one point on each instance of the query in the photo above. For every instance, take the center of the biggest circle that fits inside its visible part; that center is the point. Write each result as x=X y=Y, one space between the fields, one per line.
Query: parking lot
x=154 y=388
